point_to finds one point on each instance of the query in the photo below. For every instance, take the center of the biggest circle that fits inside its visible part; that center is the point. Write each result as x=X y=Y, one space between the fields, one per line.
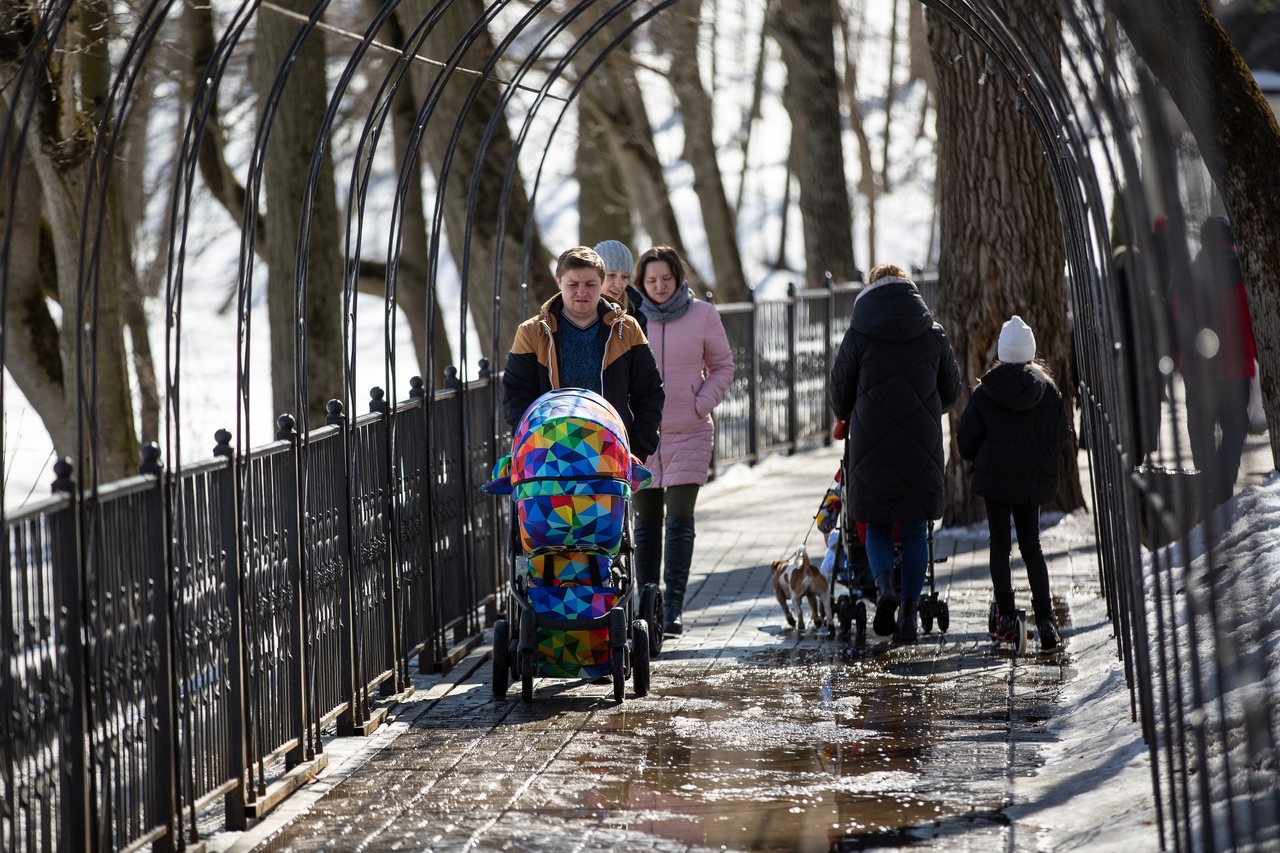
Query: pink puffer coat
x=696 y=363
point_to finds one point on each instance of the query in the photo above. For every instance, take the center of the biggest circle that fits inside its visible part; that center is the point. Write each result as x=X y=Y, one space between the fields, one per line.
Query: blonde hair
x=1037 y=365
x=879 y=271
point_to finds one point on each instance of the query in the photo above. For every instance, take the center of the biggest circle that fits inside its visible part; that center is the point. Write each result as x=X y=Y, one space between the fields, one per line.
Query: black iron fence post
x=793 y=413
x=753 y=383
x=234 y=801
x=165 y=754
x=75 y=807
x=392 y=685
x=828 y=356
x=296 y=613
x=345 y=587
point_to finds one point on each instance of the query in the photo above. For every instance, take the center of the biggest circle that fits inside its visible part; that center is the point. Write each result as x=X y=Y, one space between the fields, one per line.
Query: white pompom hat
x=1017 y=342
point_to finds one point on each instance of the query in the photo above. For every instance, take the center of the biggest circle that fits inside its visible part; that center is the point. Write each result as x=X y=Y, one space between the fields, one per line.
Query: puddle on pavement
x=794 y=750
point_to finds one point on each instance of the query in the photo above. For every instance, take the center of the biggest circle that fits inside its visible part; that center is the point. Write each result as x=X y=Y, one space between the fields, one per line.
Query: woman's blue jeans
x=915 y=553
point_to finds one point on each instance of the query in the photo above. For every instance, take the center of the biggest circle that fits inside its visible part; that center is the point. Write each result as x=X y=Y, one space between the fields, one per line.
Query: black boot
x=678 y=558
x=907 y=622
x=886 y=605
x=648 y=552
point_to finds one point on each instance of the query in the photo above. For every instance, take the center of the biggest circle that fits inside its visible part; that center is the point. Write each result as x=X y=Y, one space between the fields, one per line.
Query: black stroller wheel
x=844 y=612
x=501 y=658
x=618 y=664
x=651 y=613
x=944 y=617
x=640 y=657
x=926 y=614
x=860 y=619
x=527 y=668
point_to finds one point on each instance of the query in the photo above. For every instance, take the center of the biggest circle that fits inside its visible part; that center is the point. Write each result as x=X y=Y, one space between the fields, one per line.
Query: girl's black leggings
x=1026 y=518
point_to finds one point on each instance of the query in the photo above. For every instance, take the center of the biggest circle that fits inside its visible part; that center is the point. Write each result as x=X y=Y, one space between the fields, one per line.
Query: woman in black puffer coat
x=1014 y=430
x=893 y=378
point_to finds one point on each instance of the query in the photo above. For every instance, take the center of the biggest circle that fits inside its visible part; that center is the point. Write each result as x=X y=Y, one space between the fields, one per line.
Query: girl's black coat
x=894 y=376
x=1014 y=430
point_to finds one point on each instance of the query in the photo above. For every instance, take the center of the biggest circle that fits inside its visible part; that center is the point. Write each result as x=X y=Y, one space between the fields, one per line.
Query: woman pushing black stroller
x=894 y=376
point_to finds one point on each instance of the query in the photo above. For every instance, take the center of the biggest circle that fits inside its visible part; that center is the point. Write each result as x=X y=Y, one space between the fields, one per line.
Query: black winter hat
x=1216 y=231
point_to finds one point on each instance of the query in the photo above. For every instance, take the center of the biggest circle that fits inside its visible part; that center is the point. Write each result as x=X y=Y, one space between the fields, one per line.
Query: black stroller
x=852 y=570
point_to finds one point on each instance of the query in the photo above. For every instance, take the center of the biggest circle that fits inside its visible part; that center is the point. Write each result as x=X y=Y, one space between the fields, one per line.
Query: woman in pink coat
x=696 y=363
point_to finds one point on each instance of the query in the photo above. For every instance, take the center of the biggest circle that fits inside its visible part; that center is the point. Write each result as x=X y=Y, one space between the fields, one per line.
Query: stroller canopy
x=568 y=434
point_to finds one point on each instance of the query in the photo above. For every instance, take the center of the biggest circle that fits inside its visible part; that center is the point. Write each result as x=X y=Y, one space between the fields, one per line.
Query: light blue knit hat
x=616 y=256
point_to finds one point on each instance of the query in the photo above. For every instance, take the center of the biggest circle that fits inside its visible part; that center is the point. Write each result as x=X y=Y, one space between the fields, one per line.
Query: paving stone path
x=752 y=737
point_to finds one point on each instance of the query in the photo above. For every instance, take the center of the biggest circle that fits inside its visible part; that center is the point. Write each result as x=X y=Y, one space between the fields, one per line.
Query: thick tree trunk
x=31 y=352
x=697 y=115
x=611 y=100
x=803 y=29
x=604 y=210
x=1236 y=132
x=197 y=22
x=414 y=263
x=867 y=173
x=444 y=38
x=288 y=158
x=1002 y=244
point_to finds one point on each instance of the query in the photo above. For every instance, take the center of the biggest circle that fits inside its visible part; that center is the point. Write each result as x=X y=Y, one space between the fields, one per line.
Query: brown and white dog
x=796 y=579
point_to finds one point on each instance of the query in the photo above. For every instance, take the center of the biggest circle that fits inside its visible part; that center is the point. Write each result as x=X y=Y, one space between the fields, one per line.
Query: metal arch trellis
x=1083 y=120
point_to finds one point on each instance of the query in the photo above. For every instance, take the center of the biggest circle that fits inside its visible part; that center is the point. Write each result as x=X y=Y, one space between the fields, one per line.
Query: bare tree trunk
x=920 y=67
x=867 y=173
x=446 y=36
x=604 y=212
x=1002 y=243
x=92 y=328
x=803 y=30
x=611 y=99
x=197 y=21
x=682 y=24
x=1236 y=132
x=31 y=353
x=129 y=176
x=412 y=268
x=288 y=158
x=888 y=98
x=753 y=114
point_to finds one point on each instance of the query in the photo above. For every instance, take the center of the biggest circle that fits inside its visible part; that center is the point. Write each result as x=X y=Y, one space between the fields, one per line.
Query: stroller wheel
x=1021 y=621
x=944 y=617
x=618 y=663
x=844 y=613
x=926 y=614
x=651 y=612
x=640 y=656
x=501 y=658
x=860 y=619
x=527 y=667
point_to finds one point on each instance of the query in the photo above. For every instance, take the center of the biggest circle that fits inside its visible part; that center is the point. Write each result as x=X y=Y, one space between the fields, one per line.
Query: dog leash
x=804 y=543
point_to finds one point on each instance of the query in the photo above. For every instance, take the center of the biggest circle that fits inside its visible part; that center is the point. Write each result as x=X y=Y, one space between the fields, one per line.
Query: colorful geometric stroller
x=572 y=596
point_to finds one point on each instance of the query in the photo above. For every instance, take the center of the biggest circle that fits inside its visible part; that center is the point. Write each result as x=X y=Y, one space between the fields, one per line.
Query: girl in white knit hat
x=1014 y=430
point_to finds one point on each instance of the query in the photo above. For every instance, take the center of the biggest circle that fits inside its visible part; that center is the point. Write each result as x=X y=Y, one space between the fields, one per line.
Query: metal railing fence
x=299 y=580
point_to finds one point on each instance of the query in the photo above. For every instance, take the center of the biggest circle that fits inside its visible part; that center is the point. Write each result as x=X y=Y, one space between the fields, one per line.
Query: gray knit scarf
x=672 y=309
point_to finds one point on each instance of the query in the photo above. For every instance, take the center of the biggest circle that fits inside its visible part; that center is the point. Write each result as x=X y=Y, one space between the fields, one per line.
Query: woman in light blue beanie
x=617 y=280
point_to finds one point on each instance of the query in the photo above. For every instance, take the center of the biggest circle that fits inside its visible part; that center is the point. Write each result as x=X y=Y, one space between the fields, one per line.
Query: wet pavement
x=752 y=737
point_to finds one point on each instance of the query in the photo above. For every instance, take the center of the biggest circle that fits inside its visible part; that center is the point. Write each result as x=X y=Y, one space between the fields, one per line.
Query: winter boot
x=886 y=605
x=1049 y=639
x=677 y=559
x=907 y=622
x=648 y=551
